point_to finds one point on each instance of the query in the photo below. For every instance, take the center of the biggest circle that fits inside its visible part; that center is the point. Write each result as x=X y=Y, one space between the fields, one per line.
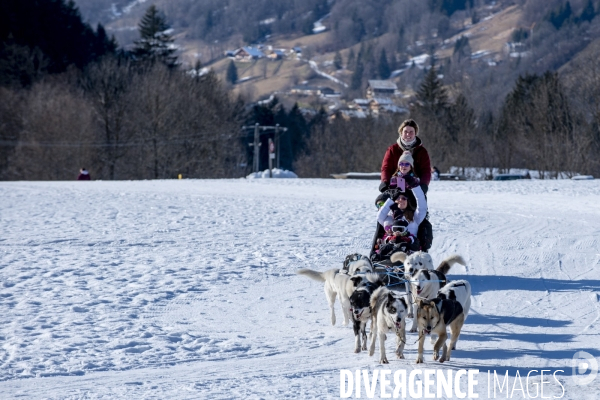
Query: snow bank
x=277 y=173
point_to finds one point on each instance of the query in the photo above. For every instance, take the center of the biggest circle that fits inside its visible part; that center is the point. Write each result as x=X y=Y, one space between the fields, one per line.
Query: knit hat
x=387 y=224
x=407 y=157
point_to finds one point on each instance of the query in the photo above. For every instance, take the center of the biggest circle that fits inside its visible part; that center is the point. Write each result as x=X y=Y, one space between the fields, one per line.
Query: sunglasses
x=404 y=164
x=380 y=204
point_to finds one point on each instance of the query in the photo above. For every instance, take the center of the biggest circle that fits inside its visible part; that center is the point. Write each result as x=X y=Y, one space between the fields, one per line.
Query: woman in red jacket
x=407 y=141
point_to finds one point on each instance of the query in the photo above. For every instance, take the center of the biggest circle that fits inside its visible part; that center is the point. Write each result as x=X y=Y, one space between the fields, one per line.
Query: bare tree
x=356 y=145
x=57 y=129
x=106 y=84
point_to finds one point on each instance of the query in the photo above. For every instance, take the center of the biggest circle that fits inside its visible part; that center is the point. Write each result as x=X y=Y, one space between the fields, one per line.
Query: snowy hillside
x=186 y=289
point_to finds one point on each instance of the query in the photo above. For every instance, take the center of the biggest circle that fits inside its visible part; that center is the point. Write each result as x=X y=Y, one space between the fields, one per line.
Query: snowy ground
x=186 y=289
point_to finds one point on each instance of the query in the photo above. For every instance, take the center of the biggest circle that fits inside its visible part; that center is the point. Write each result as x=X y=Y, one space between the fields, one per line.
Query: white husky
x=337 y=285
x=417 y=260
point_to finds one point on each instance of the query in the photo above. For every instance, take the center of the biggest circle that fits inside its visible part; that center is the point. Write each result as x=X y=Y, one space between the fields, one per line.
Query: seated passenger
x=398 y=212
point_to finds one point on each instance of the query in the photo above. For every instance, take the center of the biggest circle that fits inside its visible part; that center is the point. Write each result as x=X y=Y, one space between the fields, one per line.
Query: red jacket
x=422 y=167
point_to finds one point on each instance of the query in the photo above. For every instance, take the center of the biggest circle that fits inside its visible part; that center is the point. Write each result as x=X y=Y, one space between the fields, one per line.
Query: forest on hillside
x=72 y=97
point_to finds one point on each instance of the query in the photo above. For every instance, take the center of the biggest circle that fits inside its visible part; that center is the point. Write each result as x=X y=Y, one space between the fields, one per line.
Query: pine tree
x=356 y=81
x=462 y=48
x=588 y=12
x=104 y=45
x=351 y=59
x=155 y=43
x=337 y=61
x=384 y=66
x=432 y=97
x=232 y=75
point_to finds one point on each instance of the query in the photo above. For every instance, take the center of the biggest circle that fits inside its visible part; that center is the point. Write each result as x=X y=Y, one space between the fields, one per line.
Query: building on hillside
x=328 y=92
x=516 y=50
x=392 y=108
x=359 y=104
x=378 y=88
x=376 y=106
x=276 y=54
x=305 y=90
x=349 y=114
x=247 y=54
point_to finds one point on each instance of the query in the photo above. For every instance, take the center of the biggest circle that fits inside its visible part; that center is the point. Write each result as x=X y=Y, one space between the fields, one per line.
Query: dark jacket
x=84 y=177
x=422 y=166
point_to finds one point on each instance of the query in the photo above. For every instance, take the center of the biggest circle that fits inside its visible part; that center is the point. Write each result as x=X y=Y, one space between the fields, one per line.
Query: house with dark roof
x=379 y=88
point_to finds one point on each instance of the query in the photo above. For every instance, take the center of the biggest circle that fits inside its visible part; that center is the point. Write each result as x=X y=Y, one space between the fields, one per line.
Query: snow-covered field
x=186 y=289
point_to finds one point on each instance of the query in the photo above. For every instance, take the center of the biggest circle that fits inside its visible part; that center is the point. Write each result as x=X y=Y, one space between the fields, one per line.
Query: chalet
x=349 y=114
x=328 y=92
x=360 y=104
x=376 y=106
x=516 y=50
x=247 y=54
x=377 y=88
x=392 y=108
x=276 y=54
x=305 y=90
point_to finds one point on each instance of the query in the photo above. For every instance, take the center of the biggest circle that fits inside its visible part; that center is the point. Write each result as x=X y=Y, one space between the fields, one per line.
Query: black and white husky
x=460 y=291
x=360 y=305
x=338 y=285
x=388 y=313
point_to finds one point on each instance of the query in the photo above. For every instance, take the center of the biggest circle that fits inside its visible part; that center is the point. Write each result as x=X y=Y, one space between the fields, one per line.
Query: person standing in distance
x=407 y=141
x=84 y=175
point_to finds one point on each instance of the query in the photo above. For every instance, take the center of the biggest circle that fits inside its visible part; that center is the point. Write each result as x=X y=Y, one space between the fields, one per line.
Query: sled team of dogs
x=433 y=302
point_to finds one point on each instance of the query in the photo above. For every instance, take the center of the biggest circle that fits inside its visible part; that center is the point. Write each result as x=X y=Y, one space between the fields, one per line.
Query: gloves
x=398 y=214
x=411 y=181
x=395 y=194
x=383 y=186
x=405 y=239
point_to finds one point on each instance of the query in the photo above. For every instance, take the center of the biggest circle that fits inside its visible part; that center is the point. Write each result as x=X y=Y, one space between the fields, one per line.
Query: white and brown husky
x=435 y=316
